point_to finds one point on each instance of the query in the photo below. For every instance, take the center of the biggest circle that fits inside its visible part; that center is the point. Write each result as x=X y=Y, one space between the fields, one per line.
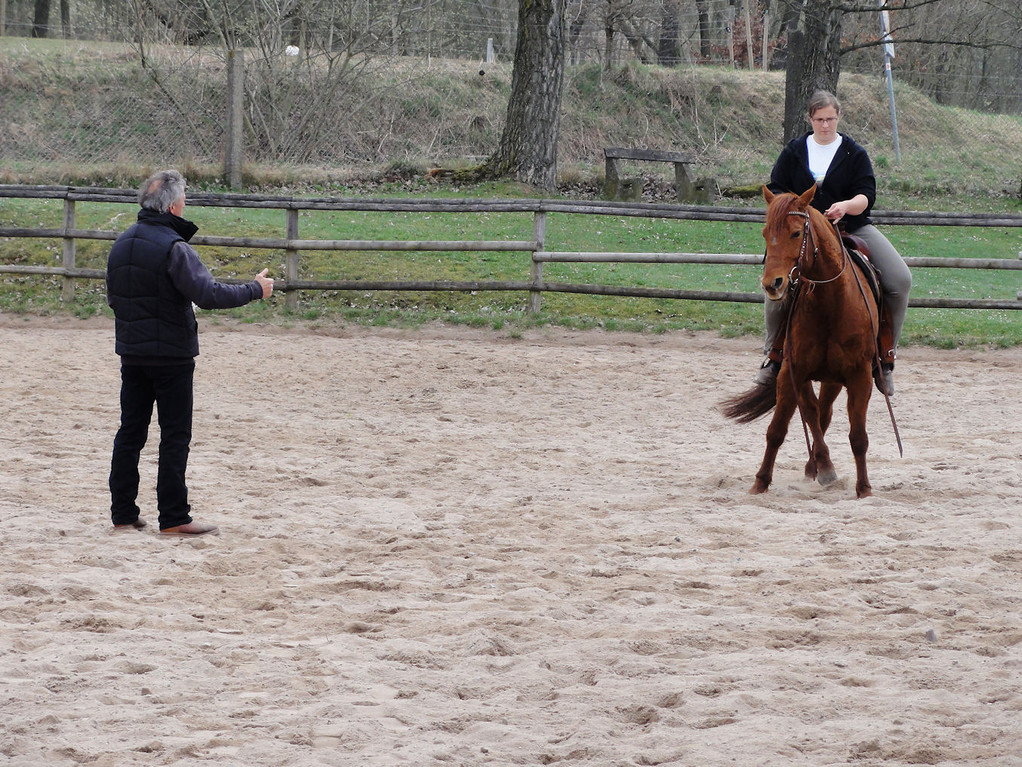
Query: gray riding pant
x=895 y=281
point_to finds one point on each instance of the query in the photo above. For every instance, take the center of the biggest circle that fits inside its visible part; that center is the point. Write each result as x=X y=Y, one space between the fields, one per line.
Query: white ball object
x=291 y=50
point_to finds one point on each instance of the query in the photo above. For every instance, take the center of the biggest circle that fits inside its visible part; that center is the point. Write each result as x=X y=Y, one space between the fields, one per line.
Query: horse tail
x=750 y=405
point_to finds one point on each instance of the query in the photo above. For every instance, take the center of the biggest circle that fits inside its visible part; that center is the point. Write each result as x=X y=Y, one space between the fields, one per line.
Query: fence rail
x=292 y=244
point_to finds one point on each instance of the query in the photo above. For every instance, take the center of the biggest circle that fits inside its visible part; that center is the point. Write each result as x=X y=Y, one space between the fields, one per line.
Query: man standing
x=153 y=277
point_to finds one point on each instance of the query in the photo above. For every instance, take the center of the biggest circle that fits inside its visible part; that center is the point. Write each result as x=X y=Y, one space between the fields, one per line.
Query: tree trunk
x=638 y=43
x=608 y=43
x=65 y=19
x=703 y=15
x=528 y=146
x=814 y=61
x=41 y=19
x=575 y=32
x=669 y=46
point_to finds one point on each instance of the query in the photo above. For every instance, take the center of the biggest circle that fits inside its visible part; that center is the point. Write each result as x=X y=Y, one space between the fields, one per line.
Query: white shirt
x=821 y=156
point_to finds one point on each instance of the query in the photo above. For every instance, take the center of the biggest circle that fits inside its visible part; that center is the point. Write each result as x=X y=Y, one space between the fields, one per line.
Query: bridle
x=796 y=274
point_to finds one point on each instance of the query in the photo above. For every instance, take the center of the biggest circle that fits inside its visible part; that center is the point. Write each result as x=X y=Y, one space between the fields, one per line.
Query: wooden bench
x=687 y=190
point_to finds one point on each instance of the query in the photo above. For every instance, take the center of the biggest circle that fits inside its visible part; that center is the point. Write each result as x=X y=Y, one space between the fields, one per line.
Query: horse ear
x=808 y=195
x=768 y=195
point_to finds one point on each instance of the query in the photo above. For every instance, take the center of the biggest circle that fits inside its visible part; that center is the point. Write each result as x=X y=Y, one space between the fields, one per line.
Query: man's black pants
x=170 y=388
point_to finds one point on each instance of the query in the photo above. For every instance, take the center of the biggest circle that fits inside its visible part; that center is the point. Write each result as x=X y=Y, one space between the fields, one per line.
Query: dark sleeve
x=781 y=174
x=791 y=173
x=863 y=180
x=191 y=277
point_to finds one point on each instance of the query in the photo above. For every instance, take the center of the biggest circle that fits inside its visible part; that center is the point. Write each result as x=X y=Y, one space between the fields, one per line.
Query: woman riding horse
x=846 y=192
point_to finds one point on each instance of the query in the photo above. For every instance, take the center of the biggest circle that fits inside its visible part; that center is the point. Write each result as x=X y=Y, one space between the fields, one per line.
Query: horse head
x=786 y=233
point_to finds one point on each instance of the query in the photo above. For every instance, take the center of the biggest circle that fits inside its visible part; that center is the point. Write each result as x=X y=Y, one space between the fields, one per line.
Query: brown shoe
x=138 y=524
x=191 y=530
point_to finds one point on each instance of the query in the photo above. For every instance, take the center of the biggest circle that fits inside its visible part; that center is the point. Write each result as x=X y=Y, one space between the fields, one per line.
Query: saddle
x=859 y=253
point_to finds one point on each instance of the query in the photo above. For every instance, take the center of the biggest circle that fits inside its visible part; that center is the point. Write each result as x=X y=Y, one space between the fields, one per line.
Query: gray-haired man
x=153 y=277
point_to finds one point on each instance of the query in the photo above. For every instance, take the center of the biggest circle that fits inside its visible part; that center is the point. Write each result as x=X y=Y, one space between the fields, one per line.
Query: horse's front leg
x=825 y=412
x=858 y=403
x=776 y=432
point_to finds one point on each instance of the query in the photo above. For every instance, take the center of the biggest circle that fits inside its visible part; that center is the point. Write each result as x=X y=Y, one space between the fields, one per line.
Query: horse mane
x=779 y=208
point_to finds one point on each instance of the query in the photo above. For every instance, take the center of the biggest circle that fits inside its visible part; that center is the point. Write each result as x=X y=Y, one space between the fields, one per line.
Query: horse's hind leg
x=828 y=393
x=858 y=402
x=776 y=432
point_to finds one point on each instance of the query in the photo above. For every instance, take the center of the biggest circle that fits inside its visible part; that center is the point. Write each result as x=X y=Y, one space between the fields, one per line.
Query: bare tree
x=816 y=43
x=669 y=46
x=528 y=145
x=703 y=17
x=814 y=55
x=979 y=69
x=41 y=19
x=577 y=18
x=300 y=80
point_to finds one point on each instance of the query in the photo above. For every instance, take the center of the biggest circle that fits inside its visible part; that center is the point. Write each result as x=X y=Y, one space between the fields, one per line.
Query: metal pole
x=894 y=114
x=885 y=30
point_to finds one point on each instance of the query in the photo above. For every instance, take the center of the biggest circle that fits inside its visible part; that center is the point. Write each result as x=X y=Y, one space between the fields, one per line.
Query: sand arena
x=453 y=547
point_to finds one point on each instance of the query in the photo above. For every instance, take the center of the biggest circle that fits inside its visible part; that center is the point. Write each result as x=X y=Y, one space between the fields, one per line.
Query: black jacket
x=153 y=277
x=850 y=173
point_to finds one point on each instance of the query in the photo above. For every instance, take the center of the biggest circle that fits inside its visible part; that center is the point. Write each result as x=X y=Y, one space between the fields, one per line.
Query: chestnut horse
x=831 y=337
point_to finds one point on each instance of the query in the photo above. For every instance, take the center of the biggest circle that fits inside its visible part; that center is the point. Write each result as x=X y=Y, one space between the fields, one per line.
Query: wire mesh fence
x=428 y=92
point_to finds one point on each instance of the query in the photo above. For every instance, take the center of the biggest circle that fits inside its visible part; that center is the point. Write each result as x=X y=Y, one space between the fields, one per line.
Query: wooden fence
x=292 y=244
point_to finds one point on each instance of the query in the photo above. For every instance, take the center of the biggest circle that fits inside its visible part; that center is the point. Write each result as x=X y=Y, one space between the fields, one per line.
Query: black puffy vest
x=152 y=318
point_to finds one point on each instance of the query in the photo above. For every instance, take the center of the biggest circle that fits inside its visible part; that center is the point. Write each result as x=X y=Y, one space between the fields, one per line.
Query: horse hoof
x=758 y=489
x=827 y=477
x=865 y=492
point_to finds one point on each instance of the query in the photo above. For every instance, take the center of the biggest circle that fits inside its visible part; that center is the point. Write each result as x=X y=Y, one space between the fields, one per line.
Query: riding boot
x=883 y=376
x=767 y=375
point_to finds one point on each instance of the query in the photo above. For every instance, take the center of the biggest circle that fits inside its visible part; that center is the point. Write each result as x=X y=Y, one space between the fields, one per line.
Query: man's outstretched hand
x=265 y=282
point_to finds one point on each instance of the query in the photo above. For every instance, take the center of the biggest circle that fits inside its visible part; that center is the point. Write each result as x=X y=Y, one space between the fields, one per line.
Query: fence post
x=235 y=106
x=67 y=294
x=291 y=258
x=536 y=273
